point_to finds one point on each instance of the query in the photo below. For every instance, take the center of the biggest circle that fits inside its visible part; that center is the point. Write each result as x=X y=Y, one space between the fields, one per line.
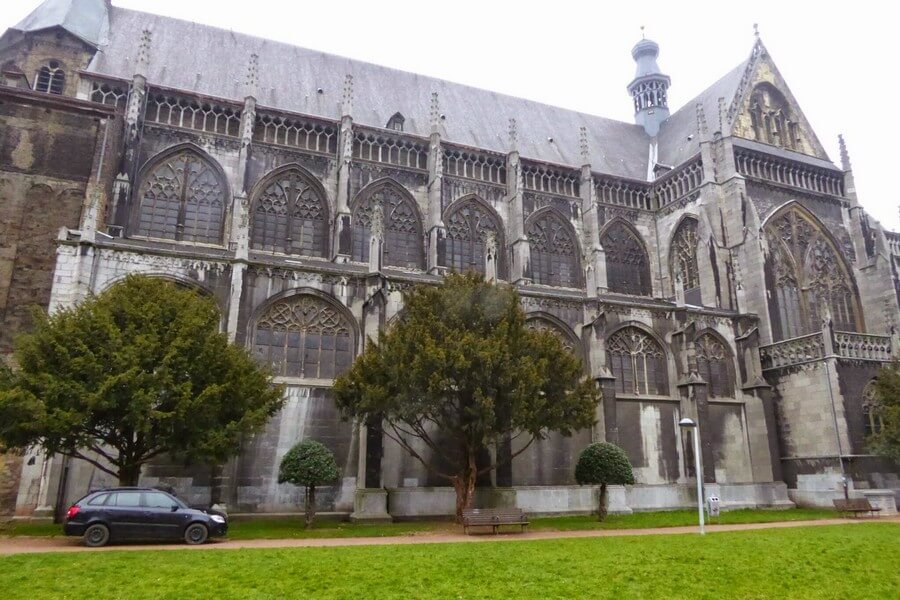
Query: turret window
x=51 y=79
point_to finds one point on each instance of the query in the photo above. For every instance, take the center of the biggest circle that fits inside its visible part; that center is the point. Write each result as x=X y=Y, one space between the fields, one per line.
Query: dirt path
x=21 y=545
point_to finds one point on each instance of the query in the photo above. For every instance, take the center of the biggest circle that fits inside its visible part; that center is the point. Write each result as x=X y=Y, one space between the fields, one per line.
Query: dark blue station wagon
x=131 y=513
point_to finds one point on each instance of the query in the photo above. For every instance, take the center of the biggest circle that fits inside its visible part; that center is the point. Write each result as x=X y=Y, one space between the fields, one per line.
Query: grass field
x=842 y=561
x=293 y=528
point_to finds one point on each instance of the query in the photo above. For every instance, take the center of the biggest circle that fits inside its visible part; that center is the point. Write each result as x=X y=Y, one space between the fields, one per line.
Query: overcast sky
x=838 y=58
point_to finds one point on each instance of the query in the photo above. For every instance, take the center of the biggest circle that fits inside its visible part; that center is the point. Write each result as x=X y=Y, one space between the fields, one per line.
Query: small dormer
x=396 y=122
x=50 y=78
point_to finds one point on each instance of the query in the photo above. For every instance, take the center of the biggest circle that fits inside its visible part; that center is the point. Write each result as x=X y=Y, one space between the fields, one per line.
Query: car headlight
x=217 y=519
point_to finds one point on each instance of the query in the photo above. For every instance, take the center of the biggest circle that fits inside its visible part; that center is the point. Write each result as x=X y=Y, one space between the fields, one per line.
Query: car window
x=125 y=499
x=158 y=500
x=98 y=500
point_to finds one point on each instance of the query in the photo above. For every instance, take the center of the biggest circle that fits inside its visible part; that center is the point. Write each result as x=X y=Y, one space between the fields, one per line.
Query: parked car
x=133 y=513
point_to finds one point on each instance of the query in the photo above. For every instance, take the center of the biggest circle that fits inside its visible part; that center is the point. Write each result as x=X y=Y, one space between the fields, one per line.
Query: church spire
x=649 y=88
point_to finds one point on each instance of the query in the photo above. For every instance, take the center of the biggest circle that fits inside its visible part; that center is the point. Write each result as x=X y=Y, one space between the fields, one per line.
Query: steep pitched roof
x=289 y=76
x=87 y=20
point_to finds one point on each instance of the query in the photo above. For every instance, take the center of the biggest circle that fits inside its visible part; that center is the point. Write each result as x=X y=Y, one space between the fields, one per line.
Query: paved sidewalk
x=22 y=545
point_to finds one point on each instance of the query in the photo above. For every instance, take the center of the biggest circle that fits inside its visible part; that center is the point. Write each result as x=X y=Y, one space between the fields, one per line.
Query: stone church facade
x=711 y=262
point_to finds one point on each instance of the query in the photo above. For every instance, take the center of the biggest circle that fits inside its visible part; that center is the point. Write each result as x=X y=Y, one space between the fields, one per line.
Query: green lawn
x=842 y=561
x=293 y=528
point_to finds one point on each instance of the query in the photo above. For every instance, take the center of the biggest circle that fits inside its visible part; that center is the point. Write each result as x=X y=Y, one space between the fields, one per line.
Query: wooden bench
x=855 y=506
x=494 y=517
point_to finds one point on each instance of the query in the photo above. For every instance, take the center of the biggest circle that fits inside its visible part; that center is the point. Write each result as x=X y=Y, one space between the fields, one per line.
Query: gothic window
x=568 y=340
x=304 y=336
x=291 y=216
x=873 y=420
x=811 y=281
x=390 y=210
x=770 y=117
x=627 y=264
x=638 y=363
x=715 y=366
x=554 y=259
x=473 y=233
x=683 y=261
x=51 y=79
x=182 y=198
x=396 y=122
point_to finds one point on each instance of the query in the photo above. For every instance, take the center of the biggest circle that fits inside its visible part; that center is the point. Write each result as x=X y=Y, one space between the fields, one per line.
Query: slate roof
x=85 y=19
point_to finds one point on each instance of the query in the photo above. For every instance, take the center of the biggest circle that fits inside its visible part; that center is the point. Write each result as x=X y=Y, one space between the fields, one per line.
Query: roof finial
x=435 y=113
x=643 y=35
x=845 y=155
x=702 y=128
x=253 y=74
x=347 y=102
x=143 y=57
x=513 y=136
x=756 y=30
x=585 y=146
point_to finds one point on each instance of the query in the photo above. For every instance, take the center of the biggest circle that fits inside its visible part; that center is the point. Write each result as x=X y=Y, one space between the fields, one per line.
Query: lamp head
x=687 y=423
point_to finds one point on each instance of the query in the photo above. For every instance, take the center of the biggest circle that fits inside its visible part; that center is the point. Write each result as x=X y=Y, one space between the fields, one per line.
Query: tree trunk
x=465 y=486
x=601 y=511
x=310 y=505
x=129 y=475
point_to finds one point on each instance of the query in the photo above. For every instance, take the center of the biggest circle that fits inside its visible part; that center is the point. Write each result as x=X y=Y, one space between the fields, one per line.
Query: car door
x=164 y=522
x=126 y=515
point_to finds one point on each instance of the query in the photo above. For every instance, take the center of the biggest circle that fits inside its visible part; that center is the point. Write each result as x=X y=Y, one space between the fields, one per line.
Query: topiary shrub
x=308 y=464
x=603 y=464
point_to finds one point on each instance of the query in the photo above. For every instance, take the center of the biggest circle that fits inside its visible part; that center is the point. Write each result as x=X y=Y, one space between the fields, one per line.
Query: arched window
x=770 y=117
x=627 y=263
x=403 y=242
x=51 y=78
x=473 y=232
x=638 y=363
x=291 y=216
x=873 y=420
x=715 y=366
x=811 y=281
x=182 y=197
x=304 y=336
x=554 y=259
x=396 y=122
x=567 y=338
x=683 y=261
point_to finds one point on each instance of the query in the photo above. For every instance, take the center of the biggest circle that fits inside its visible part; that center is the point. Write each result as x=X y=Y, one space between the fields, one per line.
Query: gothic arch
x=771 y=118
x=304 y=333
x=627 y=259
x=684 y=266
x=715 y=363
x=400 y=221
x=290 y=213
x=555 y=255
x=474 y=229
x=170 y=205
x=544 y=321
x=50 y=77
x=639 y=360
x=807 y=276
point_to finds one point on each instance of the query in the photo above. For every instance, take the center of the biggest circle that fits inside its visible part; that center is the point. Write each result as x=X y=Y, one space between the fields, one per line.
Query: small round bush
x=308 y=464
x=603 y=464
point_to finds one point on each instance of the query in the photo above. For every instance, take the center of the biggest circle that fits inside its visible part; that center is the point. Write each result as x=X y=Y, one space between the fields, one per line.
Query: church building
x=709 y=262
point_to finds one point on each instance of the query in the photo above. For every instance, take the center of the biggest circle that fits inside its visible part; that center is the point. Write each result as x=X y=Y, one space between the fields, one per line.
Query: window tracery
x=771 y=119
x=304 y=336
x=182 y=198
x=473 y=233
x=402 y=231
x=553 y=248
x=873 y=420
x=714 y=364
x=811 y=281
x=683 y=260
x=291 y=216
x=542 y=324
x=51 y=78
x=638 y=363
x=627 y=263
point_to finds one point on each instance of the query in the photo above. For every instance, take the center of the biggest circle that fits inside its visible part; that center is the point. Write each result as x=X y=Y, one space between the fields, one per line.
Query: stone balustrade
x=862 y=346
x=795 y=351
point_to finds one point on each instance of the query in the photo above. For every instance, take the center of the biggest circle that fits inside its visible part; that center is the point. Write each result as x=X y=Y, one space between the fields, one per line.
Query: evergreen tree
x=887 y=389
x=308 y=464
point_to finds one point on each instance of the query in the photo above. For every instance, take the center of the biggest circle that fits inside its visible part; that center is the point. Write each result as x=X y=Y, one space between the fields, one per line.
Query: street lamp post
x=687 y=423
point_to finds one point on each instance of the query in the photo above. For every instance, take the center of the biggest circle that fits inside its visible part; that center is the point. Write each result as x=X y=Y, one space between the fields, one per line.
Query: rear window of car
x=98 y=500
x=124 y=499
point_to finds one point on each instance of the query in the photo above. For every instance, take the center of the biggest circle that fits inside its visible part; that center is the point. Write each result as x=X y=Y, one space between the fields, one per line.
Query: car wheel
x=96 y=535
x=196 y=533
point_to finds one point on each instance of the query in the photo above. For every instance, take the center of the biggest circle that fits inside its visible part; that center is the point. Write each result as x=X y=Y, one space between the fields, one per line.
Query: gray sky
x=577 y=54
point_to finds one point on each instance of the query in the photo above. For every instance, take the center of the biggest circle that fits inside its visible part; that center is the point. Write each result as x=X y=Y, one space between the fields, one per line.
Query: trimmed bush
x=309 y=464
x=603 y=464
